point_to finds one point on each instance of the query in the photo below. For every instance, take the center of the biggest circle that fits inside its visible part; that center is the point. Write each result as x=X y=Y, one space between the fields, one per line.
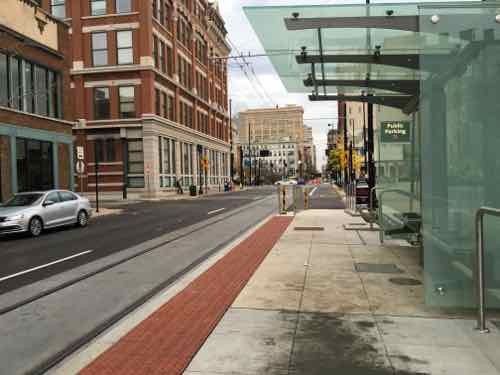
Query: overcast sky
x=244 y=94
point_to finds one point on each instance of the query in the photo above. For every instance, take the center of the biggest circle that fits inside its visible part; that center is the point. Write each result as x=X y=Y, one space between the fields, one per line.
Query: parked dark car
x=362 y=193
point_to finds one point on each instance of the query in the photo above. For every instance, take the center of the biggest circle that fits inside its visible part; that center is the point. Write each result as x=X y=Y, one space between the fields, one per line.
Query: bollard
x=284 y=200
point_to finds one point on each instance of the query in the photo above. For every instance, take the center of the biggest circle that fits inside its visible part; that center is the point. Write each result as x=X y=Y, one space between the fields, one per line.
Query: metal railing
x=380 y=212
x=479 y=276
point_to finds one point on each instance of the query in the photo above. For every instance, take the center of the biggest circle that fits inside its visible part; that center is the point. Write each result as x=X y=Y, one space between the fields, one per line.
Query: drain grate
x=377 y=268
x=405 y=281
x=309 y=228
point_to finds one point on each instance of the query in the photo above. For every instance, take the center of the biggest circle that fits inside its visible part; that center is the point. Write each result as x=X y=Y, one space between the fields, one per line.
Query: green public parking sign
x=395 y=132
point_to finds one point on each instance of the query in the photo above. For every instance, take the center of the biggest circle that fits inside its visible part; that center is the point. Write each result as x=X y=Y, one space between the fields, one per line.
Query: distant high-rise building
x=278 y=130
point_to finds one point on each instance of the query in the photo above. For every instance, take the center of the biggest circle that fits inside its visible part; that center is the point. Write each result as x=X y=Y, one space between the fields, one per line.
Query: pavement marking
x=313 y=190
x=215 y=211
x=45 y=265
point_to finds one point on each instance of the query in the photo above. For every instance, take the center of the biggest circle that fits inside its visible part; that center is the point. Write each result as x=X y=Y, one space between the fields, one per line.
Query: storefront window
x=135 y=163
x=167 y=162
x=34 y=165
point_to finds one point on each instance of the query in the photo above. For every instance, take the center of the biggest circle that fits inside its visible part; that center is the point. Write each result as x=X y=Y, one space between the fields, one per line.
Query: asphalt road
x=325 y=197
x=107 y=235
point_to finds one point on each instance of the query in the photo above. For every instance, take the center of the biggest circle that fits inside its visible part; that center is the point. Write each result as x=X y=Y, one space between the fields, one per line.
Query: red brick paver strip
x=166 y=341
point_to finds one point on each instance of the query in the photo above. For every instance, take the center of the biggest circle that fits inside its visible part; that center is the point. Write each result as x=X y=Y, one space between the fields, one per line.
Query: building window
x=99 y=49
x=158 y=102
x=34 y=165
x=16 y=86
x=164 y=104
x=41 y=102
x=123 y=6
x=170 y=108
x=186 y=164
x=155 y=51
x=183 y=32
x=29 y=87
x=167 y=162
x=124 y=47
x=127 y=101
x=105 y=150
x=135 y=163
x=4 y=81
x=169 y=57
x=162 y=63
x=97 y=7
x=101 y=103
x=58 y=8
x=53 y=95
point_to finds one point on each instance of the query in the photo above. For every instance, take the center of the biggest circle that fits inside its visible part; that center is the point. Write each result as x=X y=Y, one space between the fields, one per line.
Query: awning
x=326 y=50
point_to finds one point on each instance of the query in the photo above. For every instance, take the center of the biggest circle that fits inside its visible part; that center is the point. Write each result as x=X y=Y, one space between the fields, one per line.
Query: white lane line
x=313 y=190
x=45 y=265
x=215 y=211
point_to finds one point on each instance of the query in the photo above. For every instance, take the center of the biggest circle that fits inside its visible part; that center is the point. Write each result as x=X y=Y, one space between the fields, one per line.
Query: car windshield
x=23 y=200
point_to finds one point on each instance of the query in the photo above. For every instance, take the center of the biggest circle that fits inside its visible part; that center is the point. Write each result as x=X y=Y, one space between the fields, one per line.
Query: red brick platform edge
x=166 y=341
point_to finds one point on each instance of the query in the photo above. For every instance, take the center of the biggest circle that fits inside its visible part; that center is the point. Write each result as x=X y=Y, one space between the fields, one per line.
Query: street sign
x=80 y=153
x=395 y=132
x=80 y=167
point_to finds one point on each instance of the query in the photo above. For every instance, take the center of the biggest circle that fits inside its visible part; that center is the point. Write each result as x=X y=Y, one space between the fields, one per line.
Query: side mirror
x=48 y=203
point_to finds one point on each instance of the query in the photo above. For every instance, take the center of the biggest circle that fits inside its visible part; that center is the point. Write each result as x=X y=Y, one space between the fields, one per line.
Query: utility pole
x=125 y=167
x=365 y=141
x=96 y=168
x=371 y=162
x=344 y=121
x=231 y=140
x=249 y=158
x=242 y=171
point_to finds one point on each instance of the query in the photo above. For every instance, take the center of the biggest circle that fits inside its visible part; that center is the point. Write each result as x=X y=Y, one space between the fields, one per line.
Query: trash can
x=192 y=190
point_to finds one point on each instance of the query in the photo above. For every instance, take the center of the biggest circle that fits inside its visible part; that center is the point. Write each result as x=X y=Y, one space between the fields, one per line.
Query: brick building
x=35 y=129
x=151 y=92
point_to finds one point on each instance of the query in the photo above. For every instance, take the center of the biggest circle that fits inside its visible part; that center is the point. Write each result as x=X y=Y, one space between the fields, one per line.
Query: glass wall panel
x=397 y=169
x=460 y=139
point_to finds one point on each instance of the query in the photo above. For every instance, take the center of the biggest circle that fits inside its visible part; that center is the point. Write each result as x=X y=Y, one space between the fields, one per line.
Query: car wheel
x=35 y=226
x=82 y=219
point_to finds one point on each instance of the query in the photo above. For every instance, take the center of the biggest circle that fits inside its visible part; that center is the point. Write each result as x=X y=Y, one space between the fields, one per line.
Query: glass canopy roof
x=284 y=45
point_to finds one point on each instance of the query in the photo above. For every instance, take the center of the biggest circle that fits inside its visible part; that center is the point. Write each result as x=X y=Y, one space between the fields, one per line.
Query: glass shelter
x=435 y=68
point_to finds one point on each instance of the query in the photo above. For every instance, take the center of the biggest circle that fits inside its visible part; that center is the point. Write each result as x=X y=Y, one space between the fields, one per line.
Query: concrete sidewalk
x=323 y=302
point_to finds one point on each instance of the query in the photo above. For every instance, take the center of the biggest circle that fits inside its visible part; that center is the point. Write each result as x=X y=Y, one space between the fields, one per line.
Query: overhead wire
x=242 y=62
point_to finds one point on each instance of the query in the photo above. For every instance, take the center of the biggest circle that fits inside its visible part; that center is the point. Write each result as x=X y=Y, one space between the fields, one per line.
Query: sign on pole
x=395 y=132
x=80 y=153
x=80 y=167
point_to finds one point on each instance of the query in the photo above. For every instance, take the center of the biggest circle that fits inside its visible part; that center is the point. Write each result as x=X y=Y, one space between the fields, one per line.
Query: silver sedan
x=35 y=211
